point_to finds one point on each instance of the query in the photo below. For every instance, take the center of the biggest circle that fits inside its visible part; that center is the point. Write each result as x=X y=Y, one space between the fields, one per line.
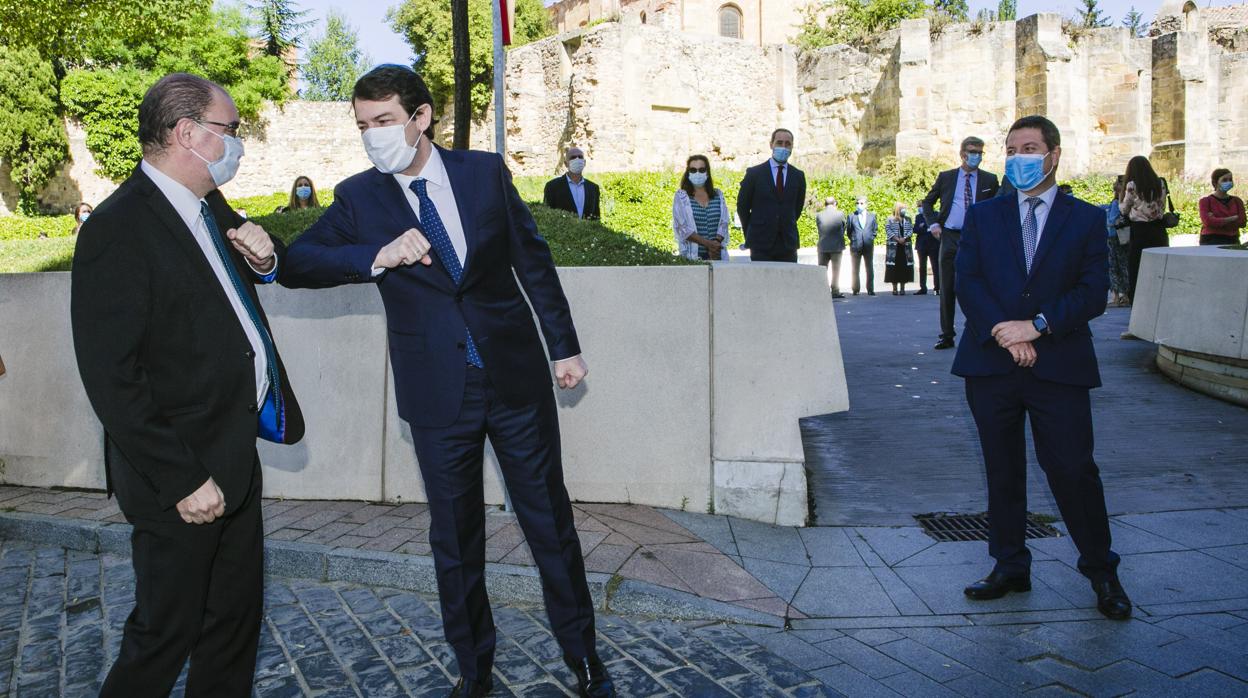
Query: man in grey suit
x=831 y=224
x=862 y=230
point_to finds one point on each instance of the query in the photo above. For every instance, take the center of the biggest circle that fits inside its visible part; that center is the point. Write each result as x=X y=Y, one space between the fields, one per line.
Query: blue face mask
x=697 y=179
x=1226 y=186
x=1025 y=171
x=304 y=192
x=781 y=154
x=972 y=159
x=82 y=218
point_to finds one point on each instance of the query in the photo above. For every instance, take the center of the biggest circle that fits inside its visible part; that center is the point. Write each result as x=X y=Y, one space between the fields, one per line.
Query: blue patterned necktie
x=435 y=233
x=1029 y=230
x=272 y=421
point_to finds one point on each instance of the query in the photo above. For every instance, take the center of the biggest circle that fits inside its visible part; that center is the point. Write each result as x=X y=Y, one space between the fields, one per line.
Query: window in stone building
x=643 y=16
x=731 y=22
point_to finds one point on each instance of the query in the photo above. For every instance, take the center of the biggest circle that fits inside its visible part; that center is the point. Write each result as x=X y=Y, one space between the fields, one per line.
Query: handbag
x=1169 y=219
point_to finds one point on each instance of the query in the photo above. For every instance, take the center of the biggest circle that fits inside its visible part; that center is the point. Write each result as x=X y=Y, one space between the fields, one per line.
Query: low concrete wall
x=698 y=376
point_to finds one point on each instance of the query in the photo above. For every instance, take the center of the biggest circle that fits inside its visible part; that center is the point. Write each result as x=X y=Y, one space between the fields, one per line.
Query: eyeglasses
x=231 y=129
x=699 y=169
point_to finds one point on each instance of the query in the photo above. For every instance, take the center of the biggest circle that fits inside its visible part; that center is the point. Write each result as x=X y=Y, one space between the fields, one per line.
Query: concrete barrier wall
x=1194 y=299
x=698 y=376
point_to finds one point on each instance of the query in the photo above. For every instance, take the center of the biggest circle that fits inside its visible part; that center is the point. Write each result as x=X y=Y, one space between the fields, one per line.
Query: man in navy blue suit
x=445 y=236
x=1031 y=274
x=770 y=201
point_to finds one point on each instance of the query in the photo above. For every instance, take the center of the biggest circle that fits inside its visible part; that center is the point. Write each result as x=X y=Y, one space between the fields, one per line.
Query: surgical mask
x=387 y=147
x=781 y=154
x=861 y=208
x=697 y=179
x=1026 y=171
x=576 y=165
x=83 y=217
x=225 y=167
x=972 y=159
x=304 y=192
x=1226 y=186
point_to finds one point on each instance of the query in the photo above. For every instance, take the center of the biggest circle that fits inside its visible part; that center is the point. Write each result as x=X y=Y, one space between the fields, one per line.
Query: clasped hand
x=1016 y=337
x=408 y=248
x=254 y=244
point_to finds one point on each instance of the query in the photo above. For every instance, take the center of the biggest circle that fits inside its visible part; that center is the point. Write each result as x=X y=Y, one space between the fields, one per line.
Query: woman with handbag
x=1119 y=231
x=1143 y=202
x=1221 y=215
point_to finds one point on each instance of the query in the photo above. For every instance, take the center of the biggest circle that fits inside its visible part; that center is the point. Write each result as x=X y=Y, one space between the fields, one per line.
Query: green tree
x=956 y=10
x=32 y=137
x=1135 y=22
x=1090 y=15
x=828 y=22
x=1007 y=10
x=280 y=26
x=334 y=62
x=426 y=24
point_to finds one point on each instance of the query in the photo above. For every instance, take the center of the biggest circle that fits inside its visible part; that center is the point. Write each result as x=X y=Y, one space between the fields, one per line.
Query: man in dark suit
x=831 y=224
x=1031 y=275
x=927 y=249
x=445 y=237
x=572 y=192
x=956 y=190
x=863 y=227
x=177 y=359
x=770 y=201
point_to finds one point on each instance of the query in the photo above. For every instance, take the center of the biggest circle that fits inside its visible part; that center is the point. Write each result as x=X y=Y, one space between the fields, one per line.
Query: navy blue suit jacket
x=1068 y=282
x=426 y=312
x=770 y=222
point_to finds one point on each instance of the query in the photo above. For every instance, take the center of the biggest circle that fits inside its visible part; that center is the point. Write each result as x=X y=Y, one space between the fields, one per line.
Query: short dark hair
x=1219 y=174
x=174 y=97
x=684 y=179
x=386 y=81
x=779 y=131
x=971 y=140
x=1048 y=130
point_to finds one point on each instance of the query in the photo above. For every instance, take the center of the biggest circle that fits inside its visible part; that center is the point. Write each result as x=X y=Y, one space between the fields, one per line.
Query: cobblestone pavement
x=61 y=617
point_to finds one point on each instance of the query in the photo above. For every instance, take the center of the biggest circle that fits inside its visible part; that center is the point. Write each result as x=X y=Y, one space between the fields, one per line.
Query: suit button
x=249 y=354
x=1026 y=294
x=252 y=408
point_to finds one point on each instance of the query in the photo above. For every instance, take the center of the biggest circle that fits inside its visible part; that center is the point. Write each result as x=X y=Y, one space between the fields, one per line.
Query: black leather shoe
x=1111 y=600
x=944 y=344
x=592 y=680
x=473 y=689
x=870 y=293
x=996 y=585
x=919 y=293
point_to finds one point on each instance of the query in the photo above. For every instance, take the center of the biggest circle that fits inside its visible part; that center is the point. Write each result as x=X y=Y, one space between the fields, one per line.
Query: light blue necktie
x=1029 y=230
x=272 y=414
x=435 y=233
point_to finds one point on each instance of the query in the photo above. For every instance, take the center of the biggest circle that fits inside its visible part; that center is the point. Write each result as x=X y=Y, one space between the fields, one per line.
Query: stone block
x=771 y=492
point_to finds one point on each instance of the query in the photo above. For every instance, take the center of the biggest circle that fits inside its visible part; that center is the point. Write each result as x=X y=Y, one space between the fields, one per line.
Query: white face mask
x=387 y=147
x=576 y=165
x=225 y=167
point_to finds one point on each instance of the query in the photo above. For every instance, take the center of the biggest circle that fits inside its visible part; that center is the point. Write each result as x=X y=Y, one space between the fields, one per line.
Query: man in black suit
x=177 y=359
x=863 y=227
x=831 y=225
x=572 y=192
x=927 y=249
x=770 y=201
x=957 y=190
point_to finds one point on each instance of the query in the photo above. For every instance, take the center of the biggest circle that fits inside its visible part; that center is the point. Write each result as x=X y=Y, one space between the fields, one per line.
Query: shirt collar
x=1047 y=197
x=182 y=198
x=573 y=182
x=434 y=172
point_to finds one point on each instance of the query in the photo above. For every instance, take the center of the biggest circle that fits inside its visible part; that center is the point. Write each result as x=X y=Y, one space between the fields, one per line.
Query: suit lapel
x=1053 y=227
x=462 y=186
x=1014 y=224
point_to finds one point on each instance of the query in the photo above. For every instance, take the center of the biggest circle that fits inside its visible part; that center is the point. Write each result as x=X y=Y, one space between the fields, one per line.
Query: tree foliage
x=1090 y=15
x=1007 y=10
x=279 y=25
x=426 y=24
x=32 y=138
x=1135 y=22
x=334 y=62
x=955 y=10
x=828 y=22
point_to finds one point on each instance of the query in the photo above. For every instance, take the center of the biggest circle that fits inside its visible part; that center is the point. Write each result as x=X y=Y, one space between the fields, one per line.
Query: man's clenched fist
x=254 y=244
x=203 y=505
x=408 y=248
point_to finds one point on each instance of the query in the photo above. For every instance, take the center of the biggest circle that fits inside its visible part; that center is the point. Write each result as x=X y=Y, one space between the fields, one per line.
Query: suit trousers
x=861 y=258
x=1061 y=429
x=948 y=301
x=926 y=255
x=832 y=261
x=526 y=440
x=199 y=593
x=775 y=254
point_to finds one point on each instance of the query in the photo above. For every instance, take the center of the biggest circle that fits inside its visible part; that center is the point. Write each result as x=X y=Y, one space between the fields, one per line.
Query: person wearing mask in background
x=302 y=195
x=956 y=190
x=1118 y=234
x=899 y=263
x=831 y=223
x=1143 y=203
x=81 y=213
x=927 y=249
x=770 y=201
x=1221 y=214
x=700 y=214
x=862 y=230
x=572 y=192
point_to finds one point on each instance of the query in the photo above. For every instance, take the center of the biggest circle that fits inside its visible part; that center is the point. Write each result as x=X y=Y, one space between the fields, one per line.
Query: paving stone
x=1186 y=576
x=851 y=682
x=1194 y=529
x=940 y=587
x=766 y=542
x=925 y=660
x=712 y=529
x=830 y=547
x=1089 y=683
x=781 y=578
x=980 y=686
x=863 y=658
x=895 y=545
x=907 y=602
x=874 y=636
x=913 y=683
x=687 y=681
x=844 y=592
x=796 y=650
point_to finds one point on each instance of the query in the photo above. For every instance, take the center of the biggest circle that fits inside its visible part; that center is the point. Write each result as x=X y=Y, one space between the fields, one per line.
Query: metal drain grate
x=966 y=527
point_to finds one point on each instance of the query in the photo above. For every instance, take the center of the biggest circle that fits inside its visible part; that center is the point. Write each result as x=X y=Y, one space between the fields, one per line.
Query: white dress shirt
x=188 y=207
x=1042 y=209
x=443 y=198
x=959 y=205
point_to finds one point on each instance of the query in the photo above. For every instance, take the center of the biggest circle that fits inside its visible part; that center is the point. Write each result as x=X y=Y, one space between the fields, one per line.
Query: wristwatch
x=1041 y=325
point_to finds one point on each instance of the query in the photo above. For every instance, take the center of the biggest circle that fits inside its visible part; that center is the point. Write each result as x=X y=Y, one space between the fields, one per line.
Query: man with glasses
x=956 y=190
x=178 y=361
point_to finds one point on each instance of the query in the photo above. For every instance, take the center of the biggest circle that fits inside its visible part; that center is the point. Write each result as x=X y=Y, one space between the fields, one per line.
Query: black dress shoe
x=592 y=680
x=944 y=344
x=870 y=293
x=996 y=585
x=920 y=293
x=472 y=689
x=1111 y=600
x=838 y=294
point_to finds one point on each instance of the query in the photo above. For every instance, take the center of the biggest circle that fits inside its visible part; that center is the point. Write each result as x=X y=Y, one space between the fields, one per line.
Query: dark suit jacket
x=862 y=237
x=163 y=357
x=426 y=312
x=1068 y=282
x=924 y=241
x=769 y=222
x=943 y=190
x=558 y=195
x=831 y=225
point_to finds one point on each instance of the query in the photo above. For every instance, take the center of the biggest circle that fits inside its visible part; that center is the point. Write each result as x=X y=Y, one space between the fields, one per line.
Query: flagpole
x=500 y=69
